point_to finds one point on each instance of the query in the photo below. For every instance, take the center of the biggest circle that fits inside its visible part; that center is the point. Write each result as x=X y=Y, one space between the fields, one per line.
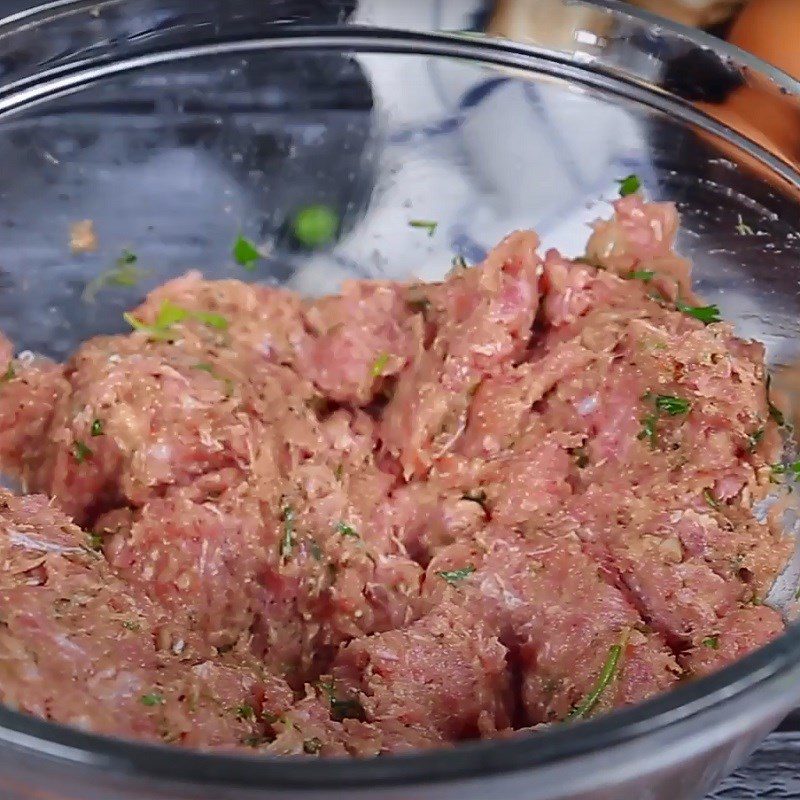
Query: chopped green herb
x=783 y=469
x=204 y=367
x=607 y=674
x=776 y=414
x=648 y=431
x=774 y=411
x=153 y=699
x=312 y=746
x=315 y=550
x=672 y=405
x=753 y=439
x=97 y=427
x=130 y=625
x=346 y=530
x=245 y=712
x=797 y=594
x=170 y=314
x=379 y=365
x=459 y=262
x=123 y=273
x=706 y=314
x=245 y=253
x=212 y=320
x=338 y=473
x=315 y=226
x=629 y=185
x=428 y=225
x=151 y=330
x=710 y=499
x=127 y=258
x=711 y=642
x=644 y=275
x=80 y=451
x=287 y=540
x=95 y=541
x=741 y=228
x=455 y=576
x=9 y=374
x=340 y=709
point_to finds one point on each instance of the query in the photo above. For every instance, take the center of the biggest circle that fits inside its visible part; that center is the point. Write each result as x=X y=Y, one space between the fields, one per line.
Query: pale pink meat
x=392 y=519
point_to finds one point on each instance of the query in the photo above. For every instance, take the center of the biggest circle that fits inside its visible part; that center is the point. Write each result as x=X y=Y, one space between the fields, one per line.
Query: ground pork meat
x=397 y=518
x=79 y=646
x=446 y=675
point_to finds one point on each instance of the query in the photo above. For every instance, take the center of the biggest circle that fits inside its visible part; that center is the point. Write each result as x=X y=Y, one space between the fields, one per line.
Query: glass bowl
x=175 y=125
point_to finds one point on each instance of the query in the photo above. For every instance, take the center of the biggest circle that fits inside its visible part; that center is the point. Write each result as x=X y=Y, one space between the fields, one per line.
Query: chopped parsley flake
x=774 y=411
x=245 y=712
x=315 y=550
x=124 y=273
x=672 y=405
x=9 y=374
x=153 y=699
x=710 y=499
x=130 y=625
x=607 y=674
x=315 y=225
x=741 y=228
x=783 y=469
x=95 y=541
x=644 y=275
x=346 y=530
x=629 y=185
x=80 y=451
x=204 y=367
x=455 y=576
x=169 y=315
x=379 y=365
x=648 y=431
x=212 y=320
x=425 y=224
x=753 y=439
x=776 y=414
x=711 y=642
x=287 y=540
x=312 y=746
x=97 y=427
x=245 y=253
x=706 y=314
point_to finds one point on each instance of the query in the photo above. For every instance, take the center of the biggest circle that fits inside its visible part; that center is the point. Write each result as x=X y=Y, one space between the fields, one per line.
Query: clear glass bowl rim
x=556 y=745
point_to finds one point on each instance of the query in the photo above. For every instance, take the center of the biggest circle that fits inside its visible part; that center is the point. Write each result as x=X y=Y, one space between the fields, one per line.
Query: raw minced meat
x=397 y=518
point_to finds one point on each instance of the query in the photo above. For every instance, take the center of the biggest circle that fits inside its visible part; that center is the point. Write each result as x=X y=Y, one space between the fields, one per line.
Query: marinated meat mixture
x=401 y=517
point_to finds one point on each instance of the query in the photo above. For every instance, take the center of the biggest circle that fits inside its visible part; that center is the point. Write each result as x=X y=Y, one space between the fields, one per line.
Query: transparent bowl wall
x=174 y=125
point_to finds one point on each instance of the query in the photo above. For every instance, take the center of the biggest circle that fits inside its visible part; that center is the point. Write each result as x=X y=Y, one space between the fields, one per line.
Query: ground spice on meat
x=397 y=518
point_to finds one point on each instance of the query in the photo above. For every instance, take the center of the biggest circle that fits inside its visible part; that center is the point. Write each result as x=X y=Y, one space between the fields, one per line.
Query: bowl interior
x=172 y=157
